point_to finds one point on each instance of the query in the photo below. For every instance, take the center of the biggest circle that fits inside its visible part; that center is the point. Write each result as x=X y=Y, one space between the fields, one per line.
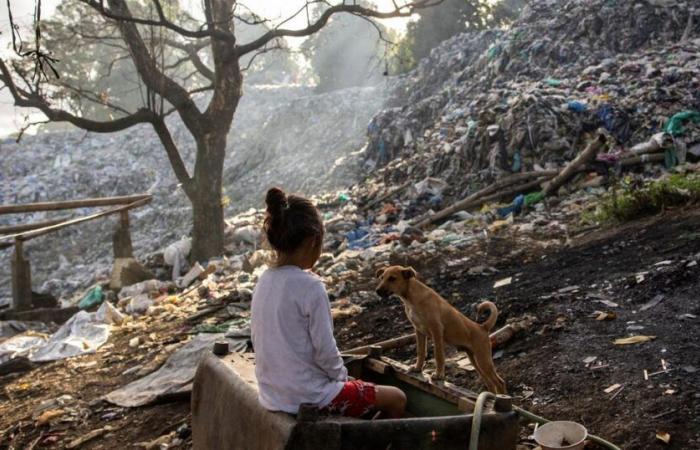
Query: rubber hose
x=541 y=420
x=476 y=419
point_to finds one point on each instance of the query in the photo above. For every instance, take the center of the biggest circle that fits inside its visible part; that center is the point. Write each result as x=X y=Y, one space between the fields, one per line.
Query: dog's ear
x=380 y=272
x=408 y=272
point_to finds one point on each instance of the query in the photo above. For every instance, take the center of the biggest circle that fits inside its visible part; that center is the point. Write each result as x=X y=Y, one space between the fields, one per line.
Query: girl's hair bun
x=276 y=201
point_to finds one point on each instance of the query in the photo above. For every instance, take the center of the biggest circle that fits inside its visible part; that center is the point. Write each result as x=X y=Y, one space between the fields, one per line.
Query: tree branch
x=152 y=77
x=173 y=155
x=403 y=10
x=27 y=99
x=192 y=53
x=110 y=13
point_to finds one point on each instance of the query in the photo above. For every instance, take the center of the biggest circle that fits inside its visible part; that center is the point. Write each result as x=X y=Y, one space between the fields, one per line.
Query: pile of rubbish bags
x=497 y=102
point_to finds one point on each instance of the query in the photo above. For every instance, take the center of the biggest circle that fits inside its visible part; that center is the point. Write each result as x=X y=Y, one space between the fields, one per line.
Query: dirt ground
x=545 y=367
x=560 y=286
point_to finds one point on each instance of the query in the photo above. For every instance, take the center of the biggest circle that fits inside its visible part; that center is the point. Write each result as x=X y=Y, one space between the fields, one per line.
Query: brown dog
x=433 y=317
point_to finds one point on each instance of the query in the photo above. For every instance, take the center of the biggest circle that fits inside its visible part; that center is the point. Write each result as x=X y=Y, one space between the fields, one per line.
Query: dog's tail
x=493 y=314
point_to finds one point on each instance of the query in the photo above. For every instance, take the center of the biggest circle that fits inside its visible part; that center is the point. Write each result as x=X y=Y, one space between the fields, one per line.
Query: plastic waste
x=175 y=255
x=141 y=288
x=675 y=127
x=138 y=305
x=93 y=298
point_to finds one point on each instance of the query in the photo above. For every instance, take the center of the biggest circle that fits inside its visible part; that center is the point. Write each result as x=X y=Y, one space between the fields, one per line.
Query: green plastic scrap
x=493 y=52
x=675 y=127
x=344 y=198
x=535 y=197
x=553 y=82
x=93 y=298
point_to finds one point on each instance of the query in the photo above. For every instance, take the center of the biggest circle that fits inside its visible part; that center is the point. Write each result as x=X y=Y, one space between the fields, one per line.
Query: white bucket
x=561 y=435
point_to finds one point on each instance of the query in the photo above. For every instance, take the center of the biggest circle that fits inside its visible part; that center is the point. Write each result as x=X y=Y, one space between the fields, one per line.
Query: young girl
x=296 y=357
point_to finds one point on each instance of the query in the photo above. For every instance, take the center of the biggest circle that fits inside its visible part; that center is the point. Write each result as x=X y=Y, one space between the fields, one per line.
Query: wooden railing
x=16 y=235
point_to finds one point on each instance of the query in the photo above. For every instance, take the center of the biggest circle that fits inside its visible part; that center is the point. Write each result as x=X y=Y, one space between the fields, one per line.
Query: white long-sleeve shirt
x=296 y=358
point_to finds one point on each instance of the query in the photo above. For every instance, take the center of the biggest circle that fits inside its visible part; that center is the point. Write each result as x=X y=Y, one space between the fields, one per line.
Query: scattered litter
x=633 y=340
x=663 y=436
x=503 y=282
x=653 y=302
x=612 y=388
x=604 y=315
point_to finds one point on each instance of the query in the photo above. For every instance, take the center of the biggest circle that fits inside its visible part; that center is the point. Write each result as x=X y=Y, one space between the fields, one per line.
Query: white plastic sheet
x=83 y=333
x=20 y=345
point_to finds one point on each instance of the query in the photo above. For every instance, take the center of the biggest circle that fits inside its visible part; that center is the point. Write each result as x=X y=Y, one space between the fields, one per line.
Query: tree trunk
x=207 y=207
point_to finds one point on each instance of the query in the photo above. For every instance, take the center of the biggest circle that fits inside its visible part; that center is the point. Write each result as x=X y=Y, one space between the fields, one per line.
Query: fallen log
x=586 y=156
x=385 y=345
x=642 y=159
x=489 y=194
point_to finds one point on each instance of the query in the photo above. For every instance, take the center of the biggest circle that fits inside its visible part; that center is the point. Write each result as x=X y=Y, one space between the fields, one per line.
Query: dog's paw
x=415 y=369
x=437 y=377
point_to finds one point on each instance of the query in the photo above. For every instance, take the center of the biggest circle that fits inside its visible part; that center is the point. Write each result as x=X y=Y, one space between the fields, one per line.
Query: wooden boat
x=226 y=413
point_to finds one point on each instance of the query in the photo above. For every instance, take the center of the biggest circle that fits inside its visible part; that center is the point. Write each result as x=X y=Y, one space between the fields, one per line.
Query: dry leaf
x=49 y=415
x=663 y=436
x=606 y=315
x=633 y=340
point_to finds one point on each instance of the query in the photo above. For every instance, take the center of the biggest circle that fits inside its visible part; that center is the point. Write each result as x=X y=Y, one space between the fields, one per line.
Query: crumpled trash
x=92 y=298
x=248 y=234
x=675 y=127
x=137 y=305
x=175 y=255
x=107 y=313
x=21 y=345
x=83 y=333
x=144 y=287
x=432 y=186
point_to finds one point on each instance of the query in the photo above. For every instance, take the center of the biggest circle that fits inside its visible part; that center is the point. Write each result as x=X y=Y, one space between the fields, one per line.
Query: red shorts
x=356 y=399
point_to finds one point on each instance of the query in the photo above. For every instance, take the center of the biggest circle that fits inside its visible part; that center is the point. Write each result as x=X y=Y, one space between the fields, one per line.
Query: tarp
x=176 y=375
x=80 y=335
x=83 y=333
x=20 y=345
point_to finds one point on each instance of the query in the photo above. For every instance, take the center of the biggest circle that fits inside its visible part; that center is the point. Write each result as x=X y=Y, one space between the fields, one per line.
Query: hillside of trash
x=280 y=130
x=553 y=168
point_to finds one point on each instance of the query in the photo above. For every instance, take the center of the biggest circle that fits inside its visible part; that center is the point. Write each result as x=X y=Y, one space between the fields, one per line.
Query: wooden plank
x=385 y=345
x=30 y=226
x=72 y=204
x=42 y=231
x=446 y=391
x=21 y=280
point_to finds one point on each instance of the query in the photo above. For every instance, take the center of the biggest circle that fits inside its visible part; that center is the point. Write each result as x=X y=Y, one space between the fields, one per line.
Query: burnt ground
x=79 y=383
x=544 y=366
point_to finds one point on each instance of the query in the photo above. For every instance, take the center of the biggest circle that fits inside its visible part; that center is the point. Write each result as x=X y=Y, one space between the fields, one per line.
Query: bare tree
x=168 y=94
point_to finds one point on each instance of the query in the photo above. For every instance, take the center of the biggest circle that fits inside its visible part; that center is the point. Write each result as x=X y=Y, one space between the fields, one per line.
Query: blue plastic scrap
x=576 y=106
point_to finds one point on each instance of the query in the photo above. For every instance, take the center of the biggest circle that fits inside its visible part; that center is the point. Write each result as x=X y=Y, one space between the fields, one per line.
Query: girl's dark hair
x=290 y=220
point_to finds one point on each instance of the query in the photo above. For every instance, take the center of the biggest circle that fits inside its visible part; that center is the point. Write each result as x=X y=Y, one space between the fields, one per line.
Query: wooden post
x=21 y=280
x=121 y=241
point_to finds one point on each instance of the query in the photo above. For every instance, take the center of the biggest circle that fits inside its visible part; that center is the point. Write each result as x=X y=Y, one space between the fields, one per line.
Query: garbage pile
x=492 y=103
x=279 y=134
